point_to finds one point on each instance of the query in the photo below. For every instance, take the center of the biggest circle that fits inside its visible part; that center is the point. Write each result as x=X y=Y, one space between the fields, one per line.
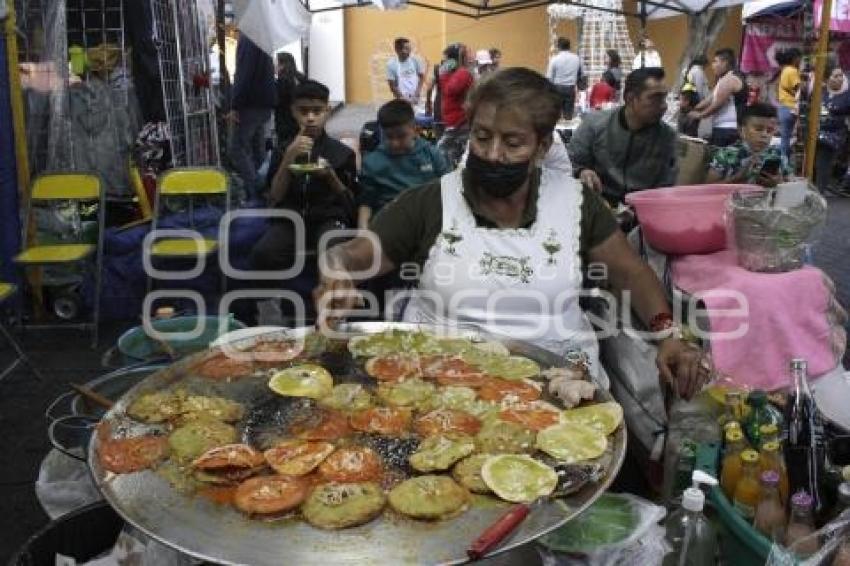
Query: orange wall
x=522 y=36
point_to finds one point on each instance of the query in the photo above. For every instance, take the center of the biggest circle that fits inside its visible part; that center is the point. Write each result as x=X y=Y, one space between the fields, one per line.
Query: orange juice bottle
x=771 y=458
x=748 y=490
x=730 y=471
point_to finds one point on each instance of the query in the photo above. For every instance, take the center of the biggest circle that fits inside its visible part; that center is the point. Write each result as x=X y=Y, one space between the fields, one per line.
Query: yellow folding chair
x=6 y=291
x=79 y=188
x=190 y=184
x=139 y=189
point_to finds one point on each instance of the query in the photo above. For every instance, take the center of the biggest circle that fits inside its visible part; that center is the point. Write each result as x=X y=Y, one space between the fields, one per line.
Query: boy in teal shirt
x=402 y=161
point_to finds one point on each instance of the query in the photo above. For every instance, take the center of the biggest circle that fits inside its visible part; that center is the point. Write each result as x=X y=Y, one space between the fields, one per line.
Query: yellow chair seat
x=183 y=247
x=59 y=253
x=6 y=290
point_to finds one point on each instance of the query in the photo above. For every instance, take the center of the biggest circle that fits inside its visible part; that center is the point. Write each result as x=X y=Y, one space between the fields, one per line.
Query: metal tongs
x=571 y=479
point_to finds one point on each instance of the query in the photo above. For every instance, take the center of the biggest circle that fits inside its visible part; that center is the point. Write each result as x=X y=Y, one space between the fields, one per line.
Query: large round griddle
x=221 y=534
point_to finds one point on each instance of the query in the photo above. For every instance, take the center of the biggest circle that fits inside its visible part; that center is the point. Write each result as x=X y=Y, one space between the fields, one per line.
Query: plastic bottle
x=747 y=490
x=801 y=524
x=768 y=433
x=730 y=471
x=770 y=458
x=770 y=518
x=761 y=413
x=689 y=533
x=733 y=408
x=842 y=501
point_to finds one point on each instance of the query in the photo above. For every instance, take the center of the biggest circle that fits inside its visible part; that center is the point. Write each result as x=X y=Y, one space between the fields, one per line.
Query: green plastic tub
x=740 y=543
x=136 y=346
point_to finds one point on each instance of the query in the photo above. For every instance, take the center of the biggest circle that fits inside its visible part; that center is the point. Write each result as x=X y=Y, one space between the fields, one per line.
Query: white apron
x=522 y=283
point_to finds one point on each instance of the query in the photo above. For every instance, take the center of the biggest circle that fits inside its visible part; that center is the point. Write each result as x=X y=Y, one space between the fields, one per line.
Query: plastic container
x=769 y=237
x=690 y=535
x=685 y=220
x=136 y=346
x=83 y=535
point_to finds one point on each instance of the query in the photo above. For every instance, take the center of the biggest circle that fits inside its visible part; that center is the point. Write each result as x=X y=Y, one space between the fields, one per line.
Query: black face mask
x=499 y=180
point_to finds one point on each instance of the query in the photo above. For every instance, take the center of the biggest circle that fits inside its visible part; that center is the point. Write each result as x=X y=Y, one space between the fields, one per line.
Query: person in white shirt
x=405 y=74
x=563 y=72
x=647 y=55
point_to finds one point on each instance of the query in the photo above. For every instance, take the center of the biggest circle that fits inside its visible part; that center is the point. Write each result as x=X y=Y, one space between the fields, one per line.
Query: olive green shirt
x=408 y=227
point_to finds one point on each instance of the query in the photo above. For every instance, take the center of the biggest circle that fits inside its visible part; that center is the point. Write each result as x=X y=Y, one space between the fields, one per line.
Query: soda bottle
x=748 y=490
x=734 y=408
x=801 y=525
x=804 y=450
x=761 y=413
x=770 y=458
x=768 y=433
x=730 y=470
x=770 y=517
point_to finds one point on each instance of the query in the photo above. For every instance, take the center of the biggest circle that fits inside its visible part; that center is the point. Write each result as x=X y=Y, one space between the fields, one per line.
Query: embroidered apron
x=523 y=283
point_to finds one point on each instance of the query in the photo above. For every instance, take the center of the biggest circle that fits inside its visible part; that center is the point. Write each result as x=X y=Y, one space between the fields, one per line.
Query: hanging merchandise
x=181 y=35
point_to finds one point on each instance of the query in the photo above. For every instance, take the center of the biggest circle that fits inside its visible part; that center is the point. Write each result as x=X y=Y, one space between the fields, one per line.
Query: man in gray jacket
x=629 y=148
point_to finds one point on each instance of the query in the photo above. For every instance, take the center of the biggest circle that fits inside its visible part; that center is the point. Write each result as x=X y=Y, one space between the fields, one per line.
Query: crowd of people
x=622 y=144
x=752 y=127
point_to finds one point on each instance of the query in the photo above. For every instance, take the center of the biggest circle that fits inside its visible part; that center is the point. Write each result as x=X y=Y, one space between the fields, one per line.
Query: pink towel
x=788 y=317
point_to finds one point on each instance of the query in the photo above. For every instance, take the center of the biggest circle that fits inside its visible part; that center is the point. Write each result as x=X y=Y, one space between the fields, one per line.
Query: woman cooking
x=502 y=242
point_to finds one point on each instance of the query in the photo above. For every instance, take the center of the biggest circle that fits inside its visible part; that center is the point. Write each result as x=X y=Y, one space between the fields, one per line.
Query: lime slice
x=604 y=417
x=511 y=367
x=518 y=478
x=570 y=443
x=306 y=380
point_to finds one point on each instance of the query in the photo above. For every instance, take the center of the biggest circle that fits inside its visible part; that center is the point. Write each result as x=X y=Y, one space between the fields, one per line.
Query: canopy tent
x=646 y=9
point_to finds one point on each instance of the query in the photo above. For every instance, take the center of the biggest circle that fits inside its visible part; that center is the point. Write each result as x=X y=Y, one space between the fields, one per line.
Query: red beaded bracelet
x=660 y=322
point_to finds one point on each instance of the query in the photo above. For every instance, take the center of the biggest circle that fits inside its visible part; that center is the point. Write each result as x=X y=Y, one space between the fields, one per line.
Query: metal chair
x=189 y=183
x=78 y=188
x=6 y=291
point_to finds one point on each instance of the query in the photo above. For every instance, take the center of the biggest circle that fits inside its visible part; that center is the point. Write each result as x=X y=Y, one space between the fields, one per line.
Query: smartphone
x=771 y=166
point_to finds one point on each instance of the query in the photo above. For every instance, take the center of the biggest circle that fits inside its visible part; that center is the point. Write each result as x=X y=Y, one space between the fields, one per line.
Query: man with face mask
x=402 y=160
x=628 y=148
x=500 y=244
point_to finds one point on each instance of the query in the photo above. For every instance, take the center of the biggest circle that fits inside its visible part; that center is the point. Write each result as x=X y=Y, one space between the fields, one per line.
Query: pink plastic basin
x=685 y=220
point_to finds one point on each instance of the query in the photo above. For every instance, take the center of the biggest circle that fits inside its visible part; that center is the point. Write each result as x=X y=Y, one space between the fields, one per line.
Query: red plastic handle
x=498 y=531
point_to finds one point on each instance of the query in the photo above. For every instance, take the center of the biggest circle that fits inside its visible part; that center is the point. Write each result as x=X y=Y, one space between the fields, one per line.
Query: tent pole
x=821 y=52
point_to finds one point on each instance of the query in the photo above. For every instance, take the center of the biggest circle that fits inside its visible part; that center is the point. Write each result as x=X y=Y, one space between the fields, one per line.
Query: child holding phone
x=751 y=160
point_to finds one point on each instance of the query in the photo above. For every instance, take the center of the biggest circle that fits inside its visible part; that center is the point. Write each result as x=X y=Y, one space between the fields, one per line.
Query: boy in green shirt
x=402 y=161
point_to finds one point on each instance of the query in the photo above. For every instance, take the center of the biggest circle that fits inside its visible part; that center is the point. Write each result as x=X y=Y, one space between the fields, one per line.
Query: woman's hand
x=683 y=366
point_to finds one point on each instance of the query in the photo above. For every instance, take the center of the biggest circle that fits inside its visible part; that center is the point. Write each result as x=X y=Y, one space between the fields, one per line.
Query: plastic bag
x=769 y=232
x=64 y=484
x=616 y=529
x=829 y=539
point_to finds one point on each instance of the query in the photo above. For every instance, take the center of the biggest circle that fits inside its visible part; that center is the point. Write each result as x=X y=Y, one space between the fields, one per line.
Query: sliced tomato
x=446 y=420
x=352 y=464
x=452 y=370
x=334 y=425
x=500 y=389
x=394 y=367
x=532 y=419
x=390 y=421
x=297 y=457
x=221 y=366
x=127 y=455
x=267 y=495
